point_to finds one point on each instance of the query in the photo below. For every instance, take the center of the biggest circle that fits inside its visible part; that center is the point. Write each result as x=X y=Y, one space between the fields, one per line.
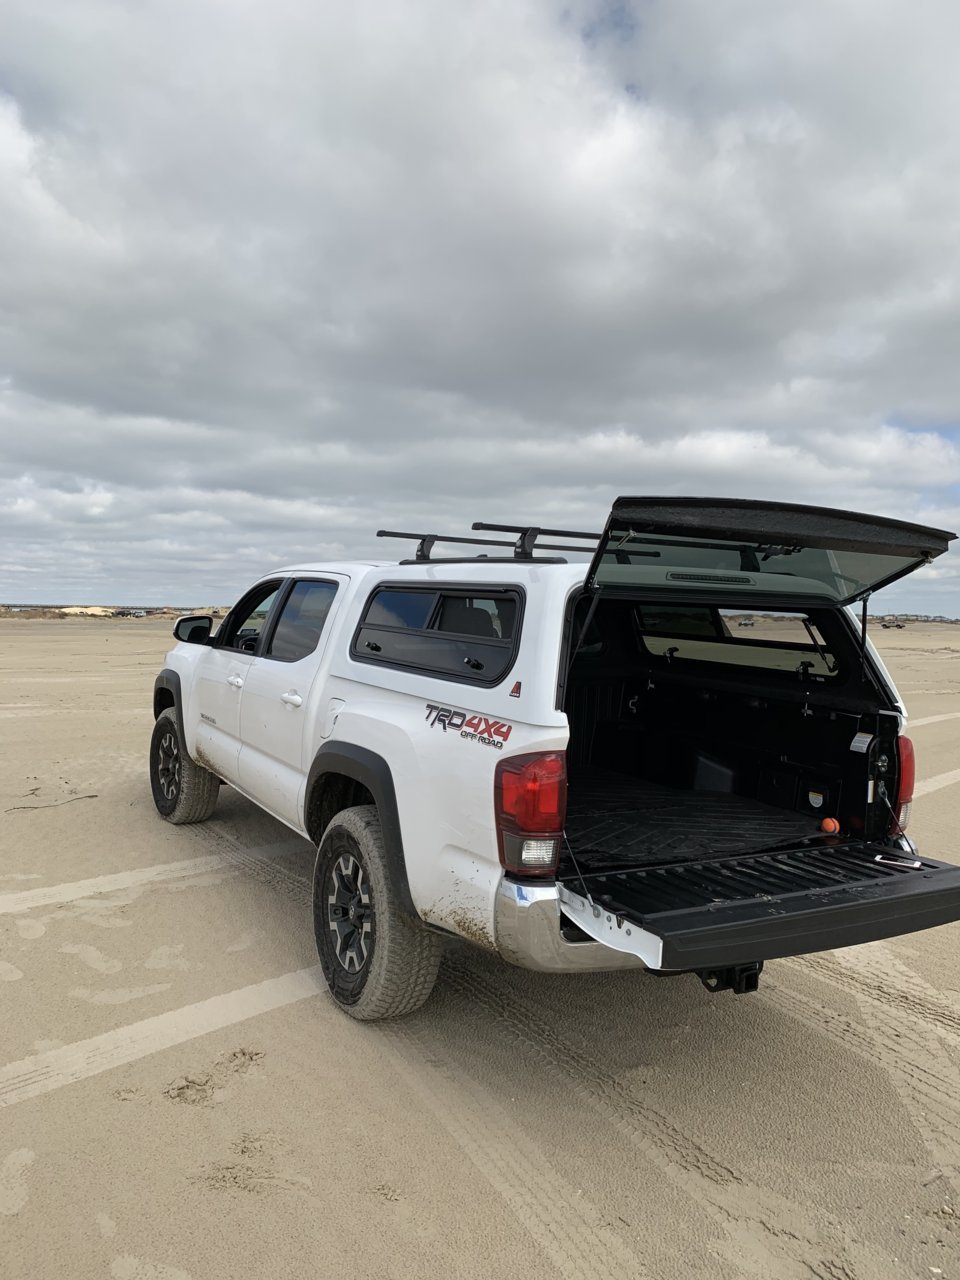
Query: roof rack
x=523 y=546
x=527 y=541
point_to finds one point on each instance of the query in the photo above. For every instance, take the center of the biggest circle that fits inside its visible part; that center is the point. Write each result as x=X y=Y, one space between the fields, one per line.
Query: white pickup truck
x=578 y=765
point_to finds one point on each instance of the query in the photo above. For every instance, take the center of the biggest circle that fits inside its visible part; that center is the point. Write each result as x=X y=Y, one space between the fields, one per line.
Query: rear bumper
x=527 y=932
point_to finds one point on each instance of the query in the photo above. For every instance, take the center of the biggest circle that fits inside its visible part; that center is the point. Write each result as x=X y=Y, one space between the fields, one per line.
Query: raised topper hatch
x=741 y=547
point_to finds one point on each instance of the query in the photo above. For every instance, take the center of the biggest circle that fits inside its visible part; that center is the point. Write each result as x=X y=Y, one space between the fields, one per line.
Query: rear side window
x=451 y=633
x=400 y=609
x=301 y=621
x=478 y=616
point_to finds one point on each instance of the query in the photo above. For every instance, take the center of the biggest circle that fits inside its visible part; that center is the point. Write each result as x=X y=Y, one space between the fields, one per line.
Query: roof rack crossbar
x=523 y=528
x=562 y=546
x=485 y=559
x=523 y=547
x=426 y=541
x=527 y=541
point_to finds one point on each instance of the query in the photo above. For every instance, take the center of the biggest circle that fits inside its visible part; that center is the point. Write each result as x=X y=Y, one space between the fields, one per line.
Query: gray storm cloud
x=272 y=276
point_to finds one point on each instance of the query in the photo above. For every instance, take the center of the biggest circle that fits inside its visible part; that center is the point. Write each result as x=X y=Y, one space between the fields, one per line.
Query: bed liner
x=614 y=820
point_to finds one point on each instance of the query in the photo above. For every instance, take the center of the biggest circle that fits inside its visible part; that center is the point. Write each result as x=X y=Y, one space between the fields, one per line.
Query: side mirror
x=194 y=629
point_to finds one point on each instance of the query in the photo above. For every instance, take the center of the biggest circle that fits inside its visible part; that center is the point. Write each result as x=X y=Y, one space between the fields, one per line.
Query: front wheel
x=378 y=963
x=183 y=790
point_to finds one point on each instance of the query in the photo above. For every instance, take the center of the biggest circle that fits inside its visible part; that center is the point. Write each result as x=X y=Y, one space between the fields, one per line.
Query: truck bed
x=614 y=820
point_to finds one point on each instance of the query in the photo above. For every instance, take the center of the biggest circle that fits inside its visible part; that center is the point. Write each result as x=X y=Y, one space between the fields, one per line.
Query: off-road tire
x=183 y=790
x=392 y=961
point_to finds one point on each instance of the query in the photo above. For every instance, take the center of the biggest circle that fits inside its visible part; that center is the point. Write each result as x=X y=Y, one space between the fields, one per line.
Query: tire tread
x=199 y=788
x=406 y=955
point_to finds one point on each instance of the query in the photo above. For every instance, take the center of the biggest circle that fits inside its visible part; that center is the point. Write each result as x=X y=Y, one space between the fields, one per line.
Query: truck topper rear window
x=455 y=633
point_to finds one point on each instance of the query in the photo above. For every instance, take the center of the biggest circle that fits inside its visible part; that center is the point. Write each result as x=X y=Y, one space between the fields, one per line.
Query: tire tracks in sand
x=873 y=973
x=563 y=1222
x=760 y=1233
x=566 y=1226
x=904 y=1031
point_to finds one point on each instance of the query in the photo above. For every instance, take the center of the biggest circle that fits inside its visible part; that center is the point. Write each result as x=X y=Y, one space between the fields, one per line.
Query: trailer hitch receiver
x=738 y=978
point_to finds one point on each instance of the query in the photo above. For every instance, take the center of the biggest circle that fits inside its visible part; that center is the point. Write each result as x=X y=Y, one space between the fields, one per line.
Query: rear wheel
x=183 y=790
x=378 y=963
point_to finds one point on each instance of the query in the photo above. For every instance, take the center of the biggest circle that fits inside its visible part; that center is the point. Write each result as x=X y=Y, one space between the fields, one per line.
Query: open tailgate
x=731 y=911
x=757 y=549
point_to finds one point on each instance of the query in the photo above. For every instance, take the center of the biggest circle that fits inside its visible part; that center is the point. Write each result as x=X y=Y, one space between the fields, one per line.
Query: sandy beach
x=180 y=1100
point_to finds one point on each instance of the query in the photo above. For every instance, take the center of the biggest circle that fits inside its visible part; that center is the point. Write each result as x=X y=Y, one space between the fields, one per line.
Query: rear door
x=785 y=902
x=759 y=550
x=276 y=695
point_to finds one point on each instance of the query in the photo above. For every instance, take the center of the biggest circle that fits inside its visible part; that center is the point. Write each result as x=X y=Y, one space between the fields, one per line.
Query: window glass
x=302 y=620
x=400 y=609
x=640 y=559
x=672 y=621
x=478 y=616
x=464 y=637
x=245 y=623
x=771 y=641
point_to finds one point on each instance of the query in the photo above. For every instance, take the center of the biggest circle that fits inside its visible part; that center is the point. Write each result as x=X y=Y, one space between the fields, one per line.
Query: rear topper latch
x=738 y=978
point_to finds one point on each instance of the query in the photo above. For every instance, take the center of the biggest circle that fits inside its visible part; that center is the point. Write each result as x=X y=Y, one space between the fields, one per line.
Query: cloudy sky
x=275 y=275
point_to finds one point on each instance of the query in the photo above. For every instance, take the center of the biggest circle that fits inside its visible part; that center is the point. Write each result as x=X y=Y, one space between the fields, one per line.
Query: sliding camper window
x=453 y=632
x=791 y=643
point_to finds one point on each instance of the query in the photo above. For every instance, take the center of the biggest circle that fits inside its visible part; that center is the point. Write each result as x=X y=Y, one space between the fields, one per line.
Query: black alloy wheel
x=350 y=913
x=378 y=959
x=168 y=766
x=183 y=791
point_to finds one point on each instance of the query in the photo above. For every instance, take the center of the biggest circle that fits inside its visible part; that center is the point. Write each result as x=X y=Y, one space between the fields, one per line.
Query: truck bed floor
x=615 y=820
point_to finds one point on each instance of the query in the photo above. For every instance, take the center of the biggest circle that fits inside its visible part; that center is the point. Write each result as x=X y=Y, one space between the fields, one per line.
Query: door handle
x=291 y=699
x=236 y=681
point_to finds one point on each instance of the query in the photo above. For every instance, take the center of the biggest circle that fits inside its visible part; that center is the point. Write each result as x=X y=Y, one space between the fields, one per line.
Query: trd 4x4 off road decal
x=476 y=728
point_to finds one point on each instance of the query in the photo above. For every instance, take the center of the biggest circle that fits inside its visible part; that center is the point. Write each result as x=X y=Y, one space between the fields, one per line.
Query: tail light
x=530 y=801
x=907 y=776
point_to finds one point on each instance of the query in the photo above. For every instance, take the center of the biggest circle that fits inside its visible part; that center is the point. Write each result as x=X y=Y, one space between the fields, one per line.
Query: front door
x=221 y=676
x=276 y=702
